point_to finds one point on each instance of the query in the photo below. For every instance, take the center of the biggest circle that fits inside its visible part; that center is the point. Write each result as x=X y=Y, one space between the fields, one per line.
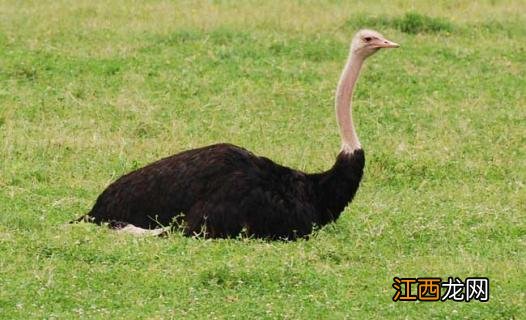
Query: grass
x=91 y=90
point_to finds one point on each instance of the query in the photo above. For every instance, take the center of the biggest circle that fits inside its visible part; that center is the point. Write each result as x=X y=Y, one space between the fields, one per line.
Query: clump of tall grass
x=411 y=22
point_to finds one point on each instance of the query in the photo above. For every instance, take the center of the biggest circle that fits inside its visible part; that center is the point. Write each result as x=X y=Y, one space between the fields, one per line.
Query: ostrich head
x=366 y=42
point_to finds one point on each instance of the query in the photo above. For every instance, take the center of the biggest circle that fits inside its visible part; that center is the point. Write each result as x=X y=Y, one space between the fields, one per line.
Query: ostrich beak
x=384 y=43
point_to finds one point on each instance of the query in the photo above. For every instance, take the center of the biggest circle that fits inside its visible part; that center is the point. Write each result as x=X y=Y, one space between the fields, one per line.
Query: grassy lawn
x=90 y=90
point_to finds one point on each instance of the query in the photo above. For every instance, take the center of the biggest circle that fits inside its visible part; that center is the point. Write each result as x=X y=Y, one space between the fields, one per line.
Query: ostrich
x=222 y=190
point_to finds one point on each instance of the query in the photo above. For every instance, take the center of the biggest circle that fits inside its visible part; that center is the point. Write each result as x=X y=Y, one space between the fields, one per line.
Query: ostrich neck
x=344 y=92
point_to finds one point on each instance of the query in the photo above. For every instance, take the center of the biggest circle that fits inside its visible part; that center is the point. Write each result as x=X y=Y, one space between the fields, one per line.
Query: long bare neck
x=344 y=92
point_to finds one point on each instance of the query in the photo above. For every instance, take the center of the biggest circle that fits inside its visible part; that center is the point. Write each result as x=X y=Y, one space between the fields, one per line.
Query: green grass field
x=90 y=90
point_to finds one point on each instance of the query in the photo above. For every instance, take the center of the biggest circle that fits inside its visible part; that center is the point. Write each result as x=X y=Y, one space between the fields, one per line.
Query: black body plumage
x=222 y=190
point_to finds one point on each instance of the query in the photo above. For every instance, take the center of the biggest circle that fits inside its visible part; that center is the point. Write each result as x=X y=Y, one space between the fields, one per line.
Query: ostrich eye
x=367 y=39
